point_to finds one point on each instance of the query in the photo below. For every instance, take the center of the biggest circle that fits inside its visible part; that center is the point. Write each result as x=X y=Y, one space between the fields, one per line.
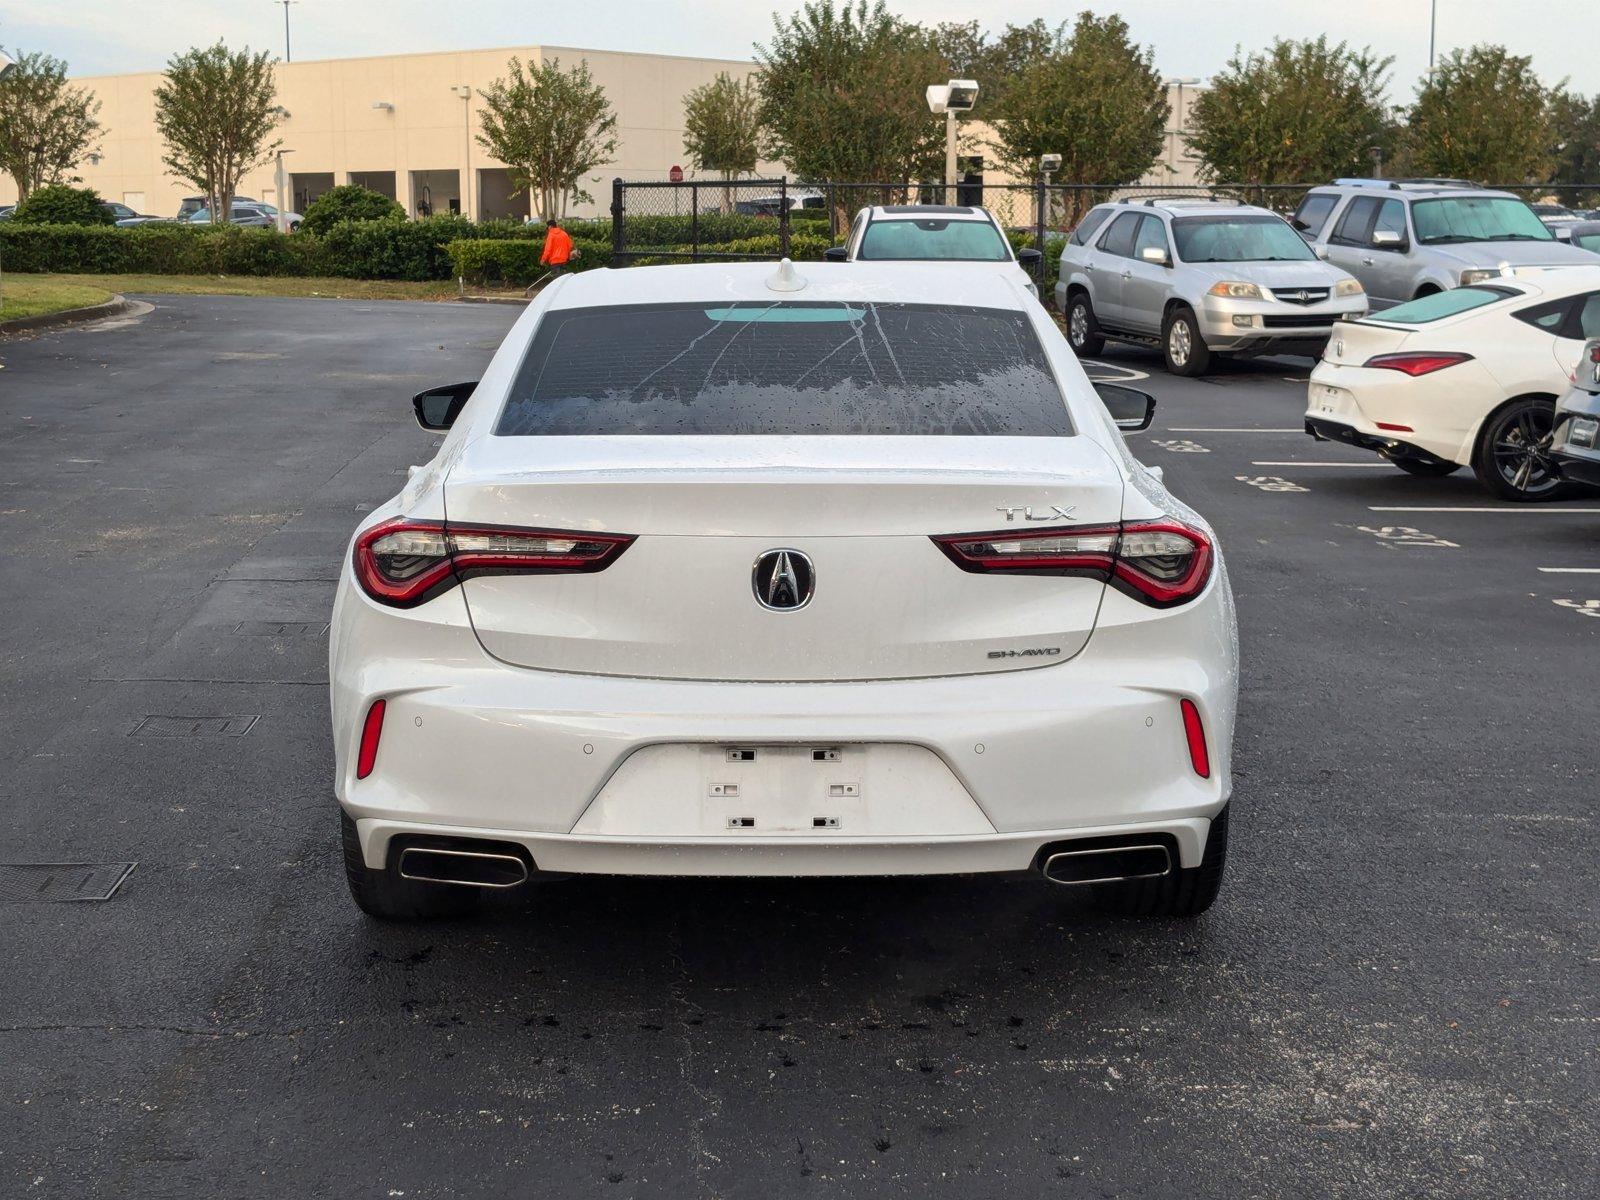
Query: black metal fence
x=744 y=219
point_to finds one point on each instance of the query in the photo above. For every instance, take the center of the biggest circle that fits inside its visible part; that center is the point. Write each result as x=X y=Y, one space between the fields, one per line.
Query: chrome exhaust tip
x=465 y=868
x=1108 y=864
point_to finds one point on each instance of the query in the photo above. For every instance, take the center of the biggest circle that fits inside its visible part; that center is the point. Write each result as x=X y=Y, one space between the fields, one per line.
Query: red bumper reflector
x=371 y=732
x=1395 y=428
x=1196 y=733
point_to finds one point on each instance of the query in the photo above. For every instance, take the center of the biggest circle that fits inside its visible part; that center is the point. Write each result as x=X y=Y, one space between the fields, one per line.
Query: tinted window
x=1119 y=238
x=963 y=241
x=1587 y=241
x=1313 y=213
x=1150 y=234
x=1477 y=219
x=1238 y=239
x=1589 y=316
x=1357 y=219
x=1392 y=217
x=1443 y=304
x=785 y=368
x=1096 y=217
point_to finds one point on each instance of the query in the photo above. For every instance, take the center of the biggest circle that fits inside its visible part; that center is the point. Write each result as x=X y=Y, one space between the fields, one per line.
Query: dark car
x=193 y=204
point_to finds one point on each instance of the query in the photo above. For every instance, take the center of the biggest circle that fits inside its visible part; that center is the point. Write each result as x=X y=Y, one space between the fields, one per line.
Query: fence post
x=694 y=222
x=1042 y=193
x=617 y=240
x=783 y=217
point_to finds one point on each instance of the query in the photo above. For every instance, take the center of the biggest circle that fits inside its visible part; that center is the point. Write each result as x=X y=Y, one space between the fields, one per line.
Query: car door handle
x=1366 y=260
x=1088 y=267
x=1127 y=274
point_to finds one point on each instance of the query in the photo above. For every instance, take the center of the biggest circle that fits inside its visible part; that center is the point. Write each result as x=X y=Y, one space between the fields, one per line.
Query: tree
x=47 y=126
x=1483 y=115
x=63 y=204
x=842 y=94
x=215 y=109
x=1302 y=112
x=996 y=63
x=349 y=202
x=550 y=127
x=1577 y=132
x=1092 y=97
x=722 y=126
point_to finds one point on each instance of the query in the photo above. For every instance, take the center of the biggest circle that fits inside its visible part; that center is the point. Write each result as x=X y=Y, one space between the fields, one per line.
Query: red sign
x=675 y=175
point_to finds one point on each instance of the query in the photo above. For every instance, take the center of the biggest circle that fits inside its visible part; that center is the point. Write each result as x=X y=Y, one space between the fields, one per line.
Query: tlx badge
x=1056 y=512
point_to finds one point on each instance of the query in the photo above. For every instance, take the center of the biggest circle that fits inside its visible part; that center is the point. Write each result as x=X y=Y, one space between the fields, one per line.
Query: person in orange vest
x=558 y=252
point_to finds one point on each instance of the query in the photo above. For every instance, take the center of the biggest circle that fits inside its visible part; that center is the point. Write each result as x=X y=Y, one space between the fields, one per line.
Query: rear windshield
x=785 y=368
x=1238 y=239
x=965 y=241
x=1443 y=304
x=1477 y=219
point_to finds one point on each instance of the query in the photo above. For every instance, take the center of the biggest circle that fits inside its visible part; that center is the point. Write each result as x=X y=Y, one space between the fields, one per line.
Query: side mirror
x=437 y=408
x=1157 y=255
x=836 y=254
x=1130 y=408
x=1030 y=257
x=1321 y=252
x=1387 y=239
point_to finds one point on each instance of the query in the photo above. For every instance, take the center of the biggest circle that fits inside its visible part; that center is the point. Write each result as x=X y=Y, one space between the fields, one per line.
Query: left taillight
x=1159 y=563
x=1416 y=363
x=403 y=563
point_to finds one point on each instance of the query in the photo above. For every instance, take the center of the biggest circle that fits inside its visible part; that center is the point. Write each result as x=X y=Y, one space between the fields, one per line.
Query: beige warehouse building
x=406 y=125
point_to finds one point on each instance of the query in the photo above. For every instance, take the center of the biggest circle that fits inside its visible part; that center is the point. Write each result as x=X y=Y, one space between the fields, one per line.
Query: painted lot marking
x=1365 y=466
x=1405 y=535
x=1179 y=445
x=1271 y=483
x=1570 y=570
x=1522 y=510
x=1584 y=608
x=1092 y=367
x=1215 y=429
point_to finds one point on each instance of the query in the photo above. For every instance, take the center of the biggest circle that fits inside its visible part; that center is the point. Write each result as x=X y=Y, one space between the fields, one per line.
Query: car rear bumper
x=565 y=765
x=1333 y=431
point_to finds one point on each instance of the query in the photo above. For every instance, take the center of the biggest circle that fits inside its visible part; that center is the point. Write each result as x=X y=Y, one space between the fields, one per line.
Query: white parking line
x=1364 y=465
x=1125 y=374
x=1519 y=509
x=1212 y=429
x=1570 y=570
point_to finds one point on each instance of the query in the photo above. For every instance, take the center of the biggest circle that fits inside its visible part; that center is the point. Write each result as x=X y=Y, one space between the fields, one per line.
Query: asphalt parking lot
x=1397 y=994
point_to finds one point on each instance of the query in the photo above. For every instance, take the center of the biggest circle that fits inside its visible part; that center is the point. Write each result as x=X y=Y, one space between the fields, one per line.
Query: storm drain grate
x=160 y=726
x=282 y=628
x=48 y=883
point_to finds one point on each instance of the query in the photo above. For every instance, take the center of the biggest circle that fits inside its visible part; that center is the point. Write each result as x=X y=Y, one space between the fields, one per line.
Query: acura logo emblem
x=1302 y=295
x=783 y=580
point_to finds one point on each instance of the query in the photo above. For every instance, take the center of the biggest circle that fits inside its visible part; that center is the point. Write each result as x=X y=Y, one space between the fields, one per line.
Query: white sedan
x=728 y=570
x=1467 y=377
x=964 y=236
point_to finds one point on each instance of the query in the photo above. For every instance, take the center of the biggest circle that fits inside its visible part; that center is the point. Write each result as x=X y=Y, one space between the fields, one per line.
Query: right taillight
x=402 y=562
x=1159 y=563
x=1416 y=363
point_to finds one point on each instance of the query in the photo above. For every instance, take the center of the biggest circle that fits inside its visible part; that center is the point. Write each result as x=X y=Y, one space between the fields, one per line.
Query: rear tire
x=1427 y=468
x=1512 y=458
x=1083 y=331
x=1182 y=346
x=384 y=895
x=1180 y=893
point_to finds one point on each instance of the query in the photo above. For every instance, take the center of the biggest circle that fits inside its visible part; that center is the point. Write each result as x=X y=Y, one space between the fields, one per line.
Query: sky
x=1191 y=38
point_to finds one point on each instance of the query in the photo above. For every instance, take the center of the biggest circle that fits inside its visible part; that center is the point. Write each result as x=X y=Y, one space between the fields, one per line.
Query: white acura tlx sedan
x=755 y=570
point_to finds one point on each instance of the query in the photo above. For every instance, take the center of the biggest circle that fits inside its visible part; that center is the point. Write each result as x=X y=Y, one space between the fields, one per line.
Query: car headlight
x=1235 y=289
x=1348 y=287
x=1479 y=274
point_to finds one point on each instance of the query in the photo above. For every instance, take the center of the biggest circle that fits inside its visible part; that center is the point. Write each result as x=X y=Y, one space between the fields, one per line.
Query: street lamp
x=956 y=96
x=282 y=182
x=465 y=93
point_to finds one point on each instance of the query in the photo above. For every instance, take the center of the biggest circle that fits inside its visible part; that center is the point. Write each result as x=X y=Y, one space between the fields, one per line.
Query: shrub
x=349 y=202
x=516 y=261
x=392 y=249
x=155 y=250
x=60 y=204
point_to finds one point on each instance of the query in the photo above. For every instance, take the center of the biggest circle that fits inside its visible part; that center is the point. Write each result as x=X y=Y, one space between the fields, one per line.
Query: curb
x=113 y=307
x=493 y=300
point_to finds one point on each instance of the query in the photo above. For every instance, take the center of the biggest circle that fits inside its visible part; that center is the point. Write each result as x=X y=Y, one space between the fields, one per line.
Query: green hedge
x=154 y=250
x=516 y=261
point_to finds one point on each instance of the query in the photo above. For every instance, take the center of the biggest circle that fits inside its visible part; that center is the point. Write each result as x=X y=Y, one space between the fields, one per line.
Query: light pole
x=956 y=96
x=1433 y=24
x=6 y=67
x=465 y=93
x=282 y=181
x=286 y=55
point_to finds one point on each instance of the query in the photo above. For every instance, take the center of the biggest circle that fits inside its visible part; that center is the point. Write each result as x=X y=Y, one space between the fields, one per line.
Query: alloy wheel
x=1522 y=450
x=1179 y=343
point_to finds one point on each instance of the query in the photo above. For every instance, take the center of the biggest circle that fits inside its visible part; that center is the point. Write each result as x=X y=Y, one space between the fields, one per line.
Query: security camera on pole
x=956 y=96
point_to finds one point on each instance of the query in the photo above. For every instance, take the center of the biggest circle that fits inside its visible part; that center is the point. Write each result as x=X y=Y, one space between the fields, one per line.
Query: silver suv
x=1404 y=238
x=1198 y=277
